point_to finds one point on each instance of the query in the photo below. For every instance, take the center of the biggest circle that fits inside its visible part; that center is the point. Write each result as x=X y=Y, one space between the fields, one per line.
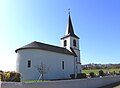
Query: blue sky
x=96 y=22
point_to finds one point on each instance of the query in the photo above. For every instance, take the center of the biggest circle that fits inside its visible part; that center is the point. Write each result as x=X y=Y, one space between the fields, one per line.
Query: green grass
x=97 y=70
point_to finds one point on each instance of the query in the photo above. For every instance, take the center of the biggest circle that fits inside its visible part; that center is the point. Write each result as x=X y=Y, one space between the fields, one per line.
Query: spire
x=70 y=30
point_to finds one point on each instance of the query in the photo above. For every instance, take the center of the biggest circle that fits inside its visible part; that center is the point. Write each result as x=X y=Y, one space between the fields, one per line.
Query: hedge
x=10 y=76
x=81 y=75
x=72 y=76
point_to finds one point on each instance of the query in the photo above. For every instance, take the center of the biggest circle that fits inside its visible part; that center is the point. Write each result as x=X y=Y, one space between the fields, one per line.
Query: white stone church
x=61 y=61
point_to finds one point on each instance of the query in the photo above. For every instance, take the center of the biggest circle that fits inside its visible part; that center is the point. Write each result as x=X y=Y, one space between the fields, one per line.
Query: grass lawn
x=97 y=70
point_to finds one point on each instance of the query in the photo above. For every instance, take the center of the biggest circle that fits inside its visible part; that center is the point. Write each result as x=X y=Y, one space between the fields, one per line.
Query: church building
x=59 y=61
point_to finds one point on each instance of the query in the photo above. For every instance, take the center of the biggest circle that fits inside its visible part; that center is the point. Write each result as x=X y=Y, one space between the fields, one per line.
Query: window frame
x=29 y=63
x=65 y=42
x=63 y=65
x=74 y=42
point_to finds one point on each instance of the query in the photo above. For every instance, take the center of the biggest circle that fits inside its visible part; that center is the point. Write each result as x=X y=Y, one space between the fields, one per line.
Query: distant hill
x=100 y=66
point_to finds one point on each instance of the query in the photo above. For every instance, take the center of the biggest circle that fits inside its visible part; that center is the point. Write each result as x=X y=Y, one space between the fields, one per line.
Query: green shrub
x=10 y=76
x=81 y=75
x=72 y=76
x=92 y=75
x=101 y=73
x=15 y=77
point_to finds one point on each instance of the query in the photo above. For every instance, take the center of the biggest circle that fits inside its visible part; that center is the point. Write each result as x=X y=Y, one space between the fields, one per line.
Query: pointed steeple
x=69 y=29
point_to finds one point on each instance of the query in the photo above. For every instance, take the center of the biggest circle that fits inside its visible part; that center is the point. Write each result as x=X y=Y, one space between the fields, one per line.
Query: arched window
x=65 y=43
x=74 y=42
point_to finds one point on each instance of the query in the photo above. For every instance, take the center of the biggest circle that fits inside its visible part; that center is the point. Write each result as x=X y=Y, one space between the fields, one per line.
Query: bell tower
x=70 y=41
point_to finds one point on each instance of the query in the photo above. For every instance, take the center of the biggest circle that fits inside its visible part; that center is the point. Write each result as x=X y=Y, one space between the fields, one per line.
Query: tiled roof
x=47 y=47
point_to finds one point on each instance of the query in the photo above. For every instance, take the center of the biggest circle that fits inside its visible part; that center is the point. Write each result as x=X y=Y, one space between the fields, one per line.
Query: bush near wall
x=92 y=75
x=10 y=76
x=72 y=76
x=101 y=73
x=81 y=75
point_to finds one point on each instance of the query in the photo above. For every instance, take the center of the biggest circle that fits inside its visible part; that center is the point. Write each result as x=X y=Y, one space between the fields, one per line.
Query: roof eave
x=64 y=51
x=69 y=36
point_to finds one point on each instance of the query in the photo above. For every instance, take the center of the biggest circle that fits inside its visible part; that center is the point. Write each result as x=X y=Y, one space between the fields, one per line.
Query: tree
x=42 y=69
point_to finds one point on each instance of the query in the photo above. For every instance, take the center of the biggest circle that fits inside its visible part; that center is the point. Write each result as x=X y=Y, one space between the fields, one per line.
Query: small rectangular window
x=63 y=65
x=29 y=64
x=65 y=43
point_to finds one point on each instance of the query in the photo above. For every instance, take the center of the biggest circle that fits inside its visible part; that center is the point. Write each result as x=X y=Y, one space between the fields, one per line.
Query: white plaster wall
x=77 y=42
x=52 y=60
x=83 y=83
x=76 y=49
x=70 y=42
